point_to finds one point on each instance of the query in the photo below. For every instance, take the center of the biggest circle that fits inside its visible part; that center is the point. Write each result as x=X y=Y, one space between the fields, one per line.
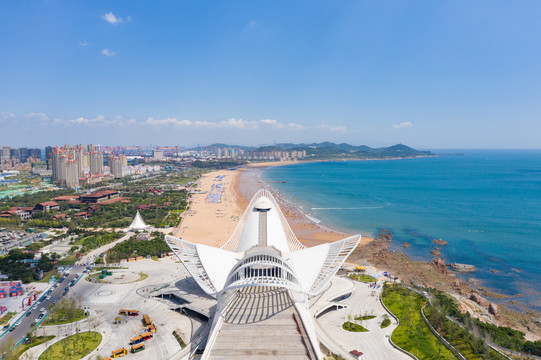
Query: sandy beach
x=221 y=199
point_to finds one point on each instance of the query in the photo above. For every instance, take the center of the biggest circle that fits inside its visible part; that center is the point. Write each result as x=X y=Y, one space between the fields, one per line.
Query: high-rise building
x=15 y=154
x=5 y=153
x=157 y=154
x=116 y=163
x=48 y=156
x=72 y=174
x=96 y=162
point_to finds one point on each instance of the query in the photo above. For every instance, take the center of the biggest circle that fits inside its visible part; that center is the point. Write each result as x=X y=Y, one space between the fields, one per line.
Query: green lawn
x=365 y=317
x=349 y=326
x=412 y=335
x=20 y=349
x=362 y=278
x=73 y=347
x=68 y=260
x=62 y=316
x=385 y=323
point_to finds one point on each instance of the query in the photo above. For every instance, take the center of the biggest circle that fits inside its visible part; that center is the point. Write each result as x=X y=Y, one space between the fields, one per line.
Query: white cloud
x=99 y=120
x=6 y=116
x=83 y=43
x=113 y=19
x=37 y=116
x=295 y=126
x=108 y=52
x=278 y=125
x=331 y=127
x=404 y=124
x=238 y=123
x=232 y=123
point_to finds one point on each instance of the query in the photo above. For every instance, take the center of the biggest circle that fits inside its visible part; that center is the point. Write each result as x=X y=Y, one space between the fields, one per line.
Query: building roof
x=138 y=223
x=263 y=236
x=48 y=203
x=99 y=194
x=66 y=197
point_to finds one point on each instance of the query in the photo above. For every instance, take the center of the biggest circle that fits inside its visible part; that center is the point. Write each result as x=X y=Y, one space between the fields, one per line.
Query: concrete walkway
x=259 y=324
x=374 y=343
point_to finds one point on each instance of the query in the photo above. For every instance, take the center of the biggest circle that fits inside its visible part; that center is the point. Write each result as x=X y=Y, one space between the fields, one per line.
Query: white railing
x=187 y=254
x=338 y=252
x=292 y=242
x=263 y=270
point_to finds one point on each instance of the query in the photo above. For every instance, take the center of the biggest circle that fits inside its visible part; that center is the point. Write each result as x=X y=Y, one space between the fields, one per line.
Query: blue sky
x=429 y=74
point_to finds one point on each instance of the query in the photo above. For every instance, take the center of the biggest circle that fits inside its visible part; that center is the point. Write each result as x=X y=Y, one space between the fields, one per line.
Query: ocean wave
x=353 y=208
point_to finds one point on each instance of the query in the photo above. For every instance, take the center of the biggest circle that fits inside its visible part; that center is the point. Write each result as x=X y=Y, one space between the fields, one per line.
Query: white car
x=49 y=297
x=42 y=310
x=18 y=323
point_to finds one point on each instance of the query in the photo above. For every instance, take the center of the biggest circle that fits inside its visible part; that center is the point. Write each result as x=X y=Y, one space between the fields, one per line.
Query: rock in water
x=405 y=244
x=463 y=267
x=439 y=242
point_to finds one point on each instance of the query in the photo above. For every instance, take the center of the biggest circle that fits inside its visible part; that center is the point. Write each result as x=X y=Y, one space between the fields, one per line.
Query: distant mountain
x=331 y=150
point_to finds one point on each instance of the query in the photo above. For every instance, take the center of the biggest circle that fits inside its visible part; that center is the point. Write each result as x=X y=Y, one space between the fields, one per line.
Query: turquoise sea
x=486 y=204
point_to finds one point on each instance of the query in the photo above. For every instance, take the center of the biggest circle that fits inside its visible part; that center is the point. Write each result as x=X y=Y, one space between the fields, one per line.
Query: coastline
x=212 y=223
x=211 y=228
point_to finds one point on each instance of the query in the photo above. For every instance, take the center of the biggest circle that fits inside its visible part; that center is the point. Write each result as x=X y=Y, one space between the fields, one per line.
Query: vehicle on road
x=48 y=297
x=18 y=323
x=28 y=313
x=42 y=310
x=128 y=312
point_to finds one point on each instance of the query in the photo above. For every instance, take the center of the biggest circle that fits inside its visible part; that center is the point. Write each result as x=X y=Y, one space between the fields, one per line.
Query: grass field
x=73 y=347
x=62 y=316
x=20 y=349
x=349 y=326
x=412 y=335
x=362 y=278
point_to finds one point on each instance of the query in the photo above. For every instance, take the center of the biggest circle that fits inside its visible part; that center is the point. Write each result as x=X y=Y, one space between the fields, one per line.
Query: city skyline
x=431 y=75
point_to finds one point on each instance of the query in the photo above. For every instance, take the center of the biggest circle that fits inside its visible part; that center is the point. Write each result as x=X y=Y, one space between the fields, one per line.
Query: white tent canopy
x=138 y=224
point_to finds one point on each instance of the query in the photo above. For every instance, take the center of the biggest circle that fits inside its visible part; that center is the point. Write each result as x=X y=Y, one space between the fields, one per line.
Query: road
x=27 y=322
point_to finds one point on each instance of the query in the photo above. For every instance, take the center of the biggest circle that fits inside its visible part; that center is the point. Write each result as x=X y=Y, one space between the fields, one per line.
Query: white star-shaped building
x=262 y=279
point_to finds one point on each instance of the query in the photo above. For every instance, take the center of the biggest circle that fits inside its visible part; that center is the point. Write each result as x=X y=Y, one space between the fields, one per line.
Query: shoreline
x=242 y=183
x=434 y=274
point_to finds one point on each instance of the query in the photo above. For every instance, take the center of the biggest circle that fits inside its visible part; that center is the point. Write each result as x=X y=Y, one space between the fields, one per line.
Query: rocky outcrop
x=435 y=252
x=439 y=242
x=463 y=267
x=405 y=245
x=439 y=263
x=479 y=300
x=493 y=309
